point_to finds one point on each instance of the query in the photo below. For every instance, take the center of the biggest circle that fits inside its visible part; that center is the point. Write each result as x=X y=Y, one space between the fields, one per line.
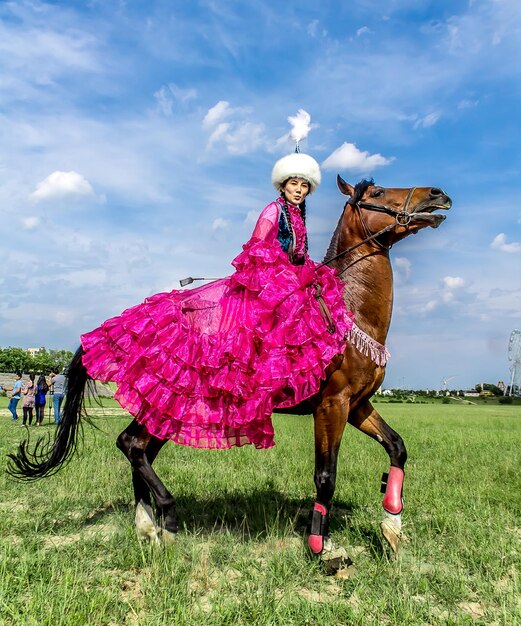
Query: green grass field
x=69 y=554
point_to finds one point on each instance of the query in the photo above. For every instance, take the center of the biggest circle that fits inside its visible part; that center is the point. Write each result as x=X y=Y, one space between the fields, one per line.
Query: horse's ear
x=344 y=187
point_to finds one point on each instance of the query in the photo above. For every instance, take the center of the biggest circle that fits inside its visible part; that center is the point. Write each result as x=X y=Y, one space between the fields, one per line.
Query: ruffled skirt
x=207 y=367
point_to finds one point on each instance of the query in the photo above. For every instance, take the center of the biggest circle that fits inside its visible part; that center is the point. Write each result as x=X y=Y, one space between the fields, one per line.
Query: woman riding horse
x=207 y=367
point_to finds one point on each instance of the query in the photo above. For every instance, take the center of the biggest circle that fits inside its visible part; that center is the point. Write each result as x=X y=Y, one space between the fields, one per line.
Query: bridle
x=402 y=218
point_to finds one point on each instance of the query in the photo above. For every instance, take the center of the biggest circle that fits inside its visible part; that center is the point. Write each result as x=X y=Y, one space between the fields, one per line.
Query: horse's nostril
x=436 y=192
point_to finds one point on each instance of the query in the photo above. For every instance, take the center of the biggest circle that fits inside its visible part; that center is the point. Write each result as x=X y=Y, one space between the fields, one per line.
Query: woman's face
x=295 y=190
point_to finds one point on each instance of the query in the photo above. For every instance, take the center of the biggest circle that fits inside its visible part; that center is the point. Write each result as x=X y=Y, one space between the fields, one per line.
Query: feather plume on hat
x=297 y=165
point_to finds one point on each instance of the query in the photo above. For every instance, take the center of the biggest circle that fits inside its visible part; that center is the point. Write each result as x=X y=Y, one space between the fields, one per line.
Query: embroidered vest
x=286 y=235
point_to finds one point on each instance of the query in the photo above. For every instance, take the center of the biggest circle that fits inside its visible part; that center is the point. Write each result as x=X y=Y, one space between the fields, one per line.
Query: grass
x=69 y=555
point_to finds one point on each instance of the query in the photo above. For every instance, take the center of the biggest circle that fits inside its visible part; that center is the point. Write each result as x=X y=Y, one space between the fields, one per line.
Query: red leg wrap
x=392 y=501
x=316 y=537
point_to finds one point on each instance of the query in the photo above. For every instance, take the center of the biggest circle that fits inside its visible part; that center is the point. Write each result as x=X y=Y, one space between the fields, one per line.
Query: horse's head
x=392 y=214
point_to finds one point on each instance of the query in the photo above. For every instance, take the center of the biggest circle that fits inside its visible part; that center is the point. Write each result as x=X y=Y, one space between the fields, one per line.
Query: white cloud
x=164 y=100
x=349 y=157
x=219 y=223
x=218 y=133
x=402 y=267
x=167 y=95
x=453 y=282
x=62 y=185
x=30 y=222
x=316 y=29
x=313 y=27
x=500 y=243
x=430 y=306
x=452 y=288
x=427 y=121
x=245 y=138
x=238 y=137
x=218 y=112
x=365 y=30
x=182 y=95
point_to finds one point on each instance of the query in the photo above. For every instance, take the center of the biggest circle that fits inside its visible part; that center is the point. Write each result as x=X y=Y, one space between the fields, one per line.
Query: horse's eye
x=377 y=192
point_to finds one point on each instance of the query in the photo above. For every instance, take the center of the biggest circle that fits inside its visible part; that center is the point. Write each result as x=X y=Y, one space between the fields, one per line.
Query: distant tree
x=40 y=361
x=494 y=389
x=14 y=360
x=19 y=360
x=60 y=358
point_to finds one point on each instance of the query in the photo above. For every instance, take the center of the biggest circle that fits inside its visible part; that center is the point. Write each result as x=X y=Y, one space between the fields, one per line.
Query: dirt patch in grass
x=329 y=593
x=14 y=506
x=13 y=540
x=100 y=531
x=474 y=609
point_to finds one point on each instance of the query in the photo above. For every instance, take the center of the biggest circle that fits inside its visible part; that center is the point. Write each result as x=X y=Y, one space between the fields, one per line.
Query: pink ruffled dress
x=206 y=367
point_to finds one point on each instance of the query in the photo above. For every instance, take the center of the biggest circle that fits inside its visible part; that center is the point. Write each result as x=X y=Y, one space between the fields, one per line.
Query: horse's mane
x=360 y=189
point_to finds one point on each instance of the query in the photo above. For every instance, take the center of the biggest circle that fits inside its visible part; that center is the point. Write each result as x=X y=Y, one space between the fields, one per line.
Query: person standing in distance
x=29 y=391
x=58 y=382
x=39 y=400
x=16 y=390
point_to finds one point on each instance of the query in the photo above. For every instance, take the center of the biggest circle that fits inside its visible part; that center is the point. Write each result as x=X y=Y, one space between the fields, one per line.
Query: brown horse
x=372 y=221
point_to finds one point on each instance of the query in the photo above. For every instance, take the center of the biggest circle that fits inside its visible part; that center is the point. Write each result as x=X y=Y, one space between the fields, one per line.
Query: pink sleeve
x=267 y=226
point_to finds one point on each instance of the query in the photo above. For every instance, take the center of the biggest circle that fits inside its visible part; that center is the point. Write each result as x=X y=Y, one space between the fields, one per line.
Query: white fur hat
x=296 y=165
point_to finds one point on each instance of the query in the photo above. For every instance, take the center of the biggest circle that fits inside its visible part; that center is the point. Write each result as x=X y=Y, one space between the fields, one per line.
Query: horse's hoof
x=393 y=534
x=168 y=538
x=145 y=524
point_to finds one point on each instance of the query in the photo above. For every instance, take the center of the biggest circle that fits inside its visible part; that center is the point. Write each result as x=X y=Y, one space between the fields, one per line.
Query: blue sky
x=137 y=140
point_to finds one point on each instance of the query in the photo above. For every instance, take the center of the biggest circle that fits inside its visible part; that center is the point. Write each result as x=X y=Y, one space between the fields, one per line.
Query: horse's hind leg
x=141 y=449
x=370 y=422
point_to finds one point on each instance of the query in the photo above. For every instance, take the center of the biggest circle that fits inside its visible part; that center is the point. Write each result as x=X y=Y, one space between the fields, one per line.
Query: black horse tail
x=50 y=455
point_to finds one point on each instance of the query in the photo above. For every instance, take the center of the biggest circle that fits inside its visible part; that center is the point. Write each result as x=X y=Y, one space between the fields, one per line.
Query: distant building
x=34 y=351
x=471 y=393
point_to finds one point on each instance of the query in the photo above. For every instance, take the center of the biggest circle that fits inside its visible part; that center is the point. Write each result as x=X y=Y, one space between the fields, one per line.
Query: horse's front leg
x=141 y=449
x=330 y=419
x=370 y=422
